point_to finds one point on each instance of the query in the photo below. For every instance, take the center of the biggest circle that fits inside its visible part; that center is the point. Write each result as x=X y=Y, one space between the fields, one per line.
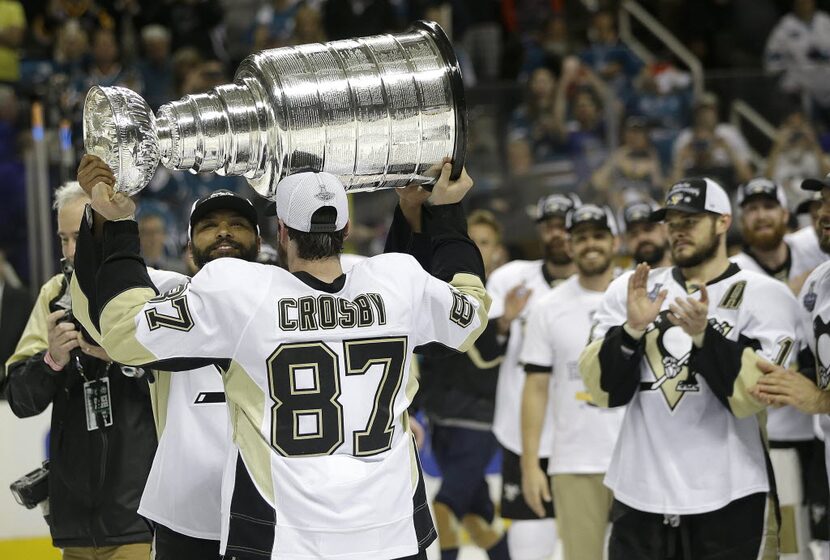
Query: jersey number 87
x=308 y=420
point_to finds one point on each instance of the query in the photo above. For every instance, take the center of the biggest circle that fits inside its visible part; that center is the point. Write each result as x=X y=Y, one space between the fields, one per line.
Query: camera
x=32 y=488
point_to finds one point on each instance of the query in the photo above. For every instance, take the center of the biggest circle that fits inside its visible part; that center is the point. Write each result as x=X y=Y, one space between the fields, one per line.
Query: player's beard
x=649 y=253
x=766 y=241
x=595 y=268
x=201 y=258
x=556 y=252
x=701 y=254
x=823 y=235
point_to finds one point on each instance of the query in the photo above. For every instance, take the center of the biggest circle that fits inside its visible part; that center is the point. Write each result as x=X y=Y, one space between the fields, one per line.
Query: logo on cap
x=324 y=195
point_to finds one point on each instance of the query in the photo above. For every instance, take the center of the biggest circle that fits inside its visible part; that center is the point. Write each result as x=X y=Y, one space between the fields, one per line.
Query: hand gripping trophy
x=379 y=112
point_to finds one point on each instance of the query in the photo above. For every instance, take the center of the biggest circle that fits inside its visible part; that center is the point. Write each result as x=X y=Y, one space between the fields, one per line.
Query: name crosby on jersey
x=310 y=313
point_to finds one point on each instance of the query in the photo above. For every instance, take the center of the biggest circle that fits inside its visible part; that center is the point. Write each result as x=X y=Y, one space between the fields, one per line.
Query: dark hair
x=319 y=245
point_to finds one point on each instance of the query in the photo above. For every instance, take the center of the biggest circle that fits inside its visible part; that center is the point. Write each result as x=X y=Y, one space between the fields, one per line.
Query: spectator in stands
x=549 y=46
x=204 y=77
x=156 y=68
x=535 y=119
x=633 y=170
x=798 y=50
x=184 y=61
x=711 y=149
x=796 y=155
x=663 y=96
x=106 y=68
x=345 y=19
x=13 y=236
x=308 y=26
x=12 y=29
x=476 y=24
x=582 y=106
x=519 y=156
x=275 y=24
x=236 y=23
x=71 y=54
x=152 y=231
x=192 y=23
x=612 y=60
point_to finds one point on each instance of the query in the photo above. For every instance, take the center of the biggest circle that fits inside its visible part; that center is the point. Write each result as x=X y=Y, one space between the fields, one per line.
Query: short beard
x=201 y=258
x=590 y=271
x=559 y=257
x=700 y=256
x=766 y=242
x=824 y=242
x=649 y=253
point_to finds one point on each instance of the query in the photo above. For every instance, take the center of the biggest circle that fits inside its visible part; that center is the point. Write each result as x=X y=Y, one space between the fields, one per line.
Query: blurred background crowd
x=609 y=99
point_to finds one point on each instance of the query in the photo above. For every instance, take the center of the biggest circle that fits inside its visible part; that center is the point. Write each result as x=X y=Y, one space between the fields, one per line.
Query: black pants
x=171 y=545
x=735 y=532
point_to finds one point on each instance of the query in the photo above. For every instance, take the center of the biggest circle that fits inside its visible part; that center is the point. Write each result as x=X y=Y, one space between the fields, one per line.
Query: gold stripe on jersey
x=741 y=402
x=159 y=396
x=590 y=371
x=471 y=285
x=118 y=327
x=246 y=402
x=481 y=363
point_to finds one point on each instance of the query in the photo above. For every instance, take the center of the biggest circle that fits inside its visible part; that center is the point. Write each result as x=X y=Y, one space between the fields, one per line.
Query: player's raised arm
x=455 y=301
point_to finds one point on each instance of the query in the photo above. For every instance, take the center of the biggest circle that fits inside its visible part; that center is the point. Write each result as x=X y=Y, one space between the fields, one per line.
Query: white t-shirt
x=507 y=415
x=558 y=330
x=683 y=449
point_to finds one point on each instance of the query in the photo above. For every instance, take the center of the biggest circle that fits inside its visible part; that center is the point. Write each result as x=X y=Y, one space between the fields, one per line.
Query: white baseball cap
x=301 y=195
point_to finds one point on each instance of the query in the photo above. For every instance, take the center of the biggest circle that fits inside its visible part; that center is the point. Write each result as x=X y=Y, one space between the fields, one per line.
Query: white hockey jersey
x=317 y=380
x=787 y=423
x=507 y=414
x=814 y=304
x=691 y=440
x=184 y=487
x=558 y=330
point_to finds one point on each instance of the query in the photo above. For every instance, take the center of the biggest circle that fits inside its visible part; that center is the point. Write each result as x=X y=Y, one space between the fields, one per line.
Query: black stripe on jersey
x=87 y=261
x=536 y=368
x=452 y=250
x=184 y=364
x=619 y=362
x=252 y=526
x=719 y=361
x=122 y=268
x=424 y=528
x=208 y=397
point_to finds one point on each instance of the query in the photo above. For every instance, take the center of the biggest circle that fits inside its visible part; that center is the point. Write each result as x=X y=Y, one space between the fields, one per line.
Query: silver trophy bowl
x=379 y=112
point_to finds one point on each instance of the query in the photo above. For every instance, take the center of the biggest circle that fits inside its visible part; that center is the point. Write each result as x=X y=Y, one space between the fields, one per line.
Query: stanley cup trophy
x=378 y=112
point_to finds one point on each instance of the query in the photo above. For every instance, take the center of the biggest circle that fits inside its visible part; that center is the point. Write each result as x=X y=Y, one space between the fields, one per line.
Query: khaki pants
x=138 y=551
x=582 y=504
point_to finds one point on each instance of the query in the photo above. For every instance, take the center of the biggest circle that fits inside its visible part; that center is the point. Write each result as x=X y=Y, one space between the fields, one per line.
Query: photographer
x=102 y=437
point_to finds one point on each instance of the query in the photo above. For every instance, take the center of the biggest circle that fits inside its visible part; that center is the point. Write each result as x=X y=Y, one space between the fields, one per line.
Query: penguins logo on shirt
x=822 y=334
x=668 y=349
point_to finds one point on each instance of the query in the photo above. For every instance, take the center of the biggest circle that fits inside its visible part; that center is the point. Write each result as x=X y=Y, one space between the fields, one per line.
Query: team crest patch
x=668 y=350
x=822 y=334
